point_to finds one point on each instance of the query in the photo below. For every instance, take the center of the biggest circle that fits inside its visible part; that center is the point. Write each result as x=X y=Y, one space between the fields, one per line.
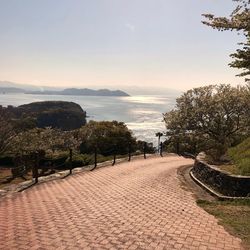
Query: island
x=55 y=114
x=14 y=88
x=81 y=92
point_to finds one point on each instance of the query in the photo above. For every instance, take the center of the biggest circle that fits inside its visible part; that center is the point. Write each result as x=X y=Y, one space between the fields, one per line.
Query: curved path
x=136 y=205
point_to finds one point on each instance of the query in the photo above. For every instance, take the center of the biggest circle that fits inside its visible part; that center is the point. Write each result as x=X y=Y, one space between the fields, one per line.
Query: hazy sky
x=114 y=43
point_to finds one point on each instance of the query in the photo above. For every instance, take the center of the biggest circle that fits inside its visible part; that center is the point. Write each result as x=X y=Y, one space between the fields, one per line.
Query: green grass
x=230 y=168
x=240 y=155
x=233 y=215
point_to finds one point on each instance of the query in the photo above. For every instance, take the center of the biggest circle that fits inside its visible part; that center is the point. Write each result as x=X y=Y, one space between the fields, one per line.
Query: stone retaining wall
x=224 y=183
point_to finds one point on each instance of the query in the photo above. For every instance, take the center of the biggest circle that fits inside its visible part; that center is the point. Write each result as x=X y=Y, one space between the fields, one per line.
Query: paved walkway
x=136 y=205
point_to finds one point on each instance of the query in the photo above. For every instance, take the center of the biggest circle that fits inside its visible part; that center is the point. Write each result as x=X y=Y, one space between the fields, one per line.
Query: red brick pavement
x=136 y=205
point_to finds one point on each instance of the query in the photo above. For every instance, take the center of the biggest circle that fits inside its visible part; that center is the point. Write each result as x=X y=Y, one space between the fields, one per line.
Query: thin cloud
x=130 y=26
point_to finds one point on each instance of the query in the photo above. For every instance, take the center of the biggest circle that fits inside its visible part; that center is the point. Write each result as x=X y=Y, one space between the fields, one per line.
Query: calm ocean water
x=142 y=114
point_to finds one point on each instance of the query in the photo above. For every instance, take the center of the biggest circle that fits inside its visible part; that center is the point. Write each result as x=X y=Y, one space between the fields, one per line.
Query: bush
x=6 y=161
x=80 y=160
x=107 y=137
x=57 y=159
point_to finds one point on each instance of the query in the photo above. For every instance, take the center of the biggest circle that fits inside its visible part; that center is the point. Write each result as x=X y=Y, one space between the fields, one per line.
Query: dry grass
x=233 y=215
x=230 y=168
x=6 y=178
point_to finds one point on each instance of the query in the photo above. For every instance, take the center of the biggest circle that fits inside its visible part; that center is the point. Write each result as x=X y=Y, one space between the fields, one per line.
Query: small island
x=55 y=114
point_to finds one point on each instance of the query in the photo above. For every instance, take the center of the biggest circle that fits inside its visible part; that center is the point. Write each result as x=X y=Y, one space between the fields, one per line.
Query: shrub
x=6 y=161
x=58 y=159
x=80 y=160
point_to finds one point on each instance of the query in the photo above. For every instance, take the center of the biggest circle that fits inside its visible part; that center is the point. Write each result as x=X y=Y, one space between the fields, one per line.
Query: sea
x=143 y=114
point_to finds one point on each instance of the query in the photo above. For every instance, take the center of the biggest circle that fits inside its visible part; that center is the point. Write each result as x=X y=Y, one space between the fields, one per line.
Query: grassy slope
x=234 y=215
x=241 y=157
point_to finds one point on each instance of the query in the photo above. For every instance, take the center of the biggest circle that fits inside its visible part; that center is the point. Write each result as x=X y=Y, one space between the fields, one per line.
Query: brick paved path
x=137 y=205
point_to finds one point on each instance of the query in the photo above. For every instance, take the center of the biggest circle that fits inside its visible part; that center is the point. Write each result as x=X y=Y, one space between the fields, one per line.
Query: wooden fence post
x=178 y=147
x=144 y=150
x=70 y=161
x=115 y=152
x=114 y=160
x=95 y=159
x=35 y=168
x=129 y=152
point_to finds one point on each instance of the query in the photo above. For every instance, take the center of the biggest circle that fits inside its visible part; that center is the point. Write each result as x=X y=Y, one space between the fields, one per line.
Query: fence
x=34 y=165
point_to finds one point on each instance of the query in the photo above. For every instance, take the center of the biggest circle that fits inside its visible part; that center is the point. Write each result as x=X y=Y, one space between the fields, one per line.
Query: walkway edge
x=22 y=186
x=213 y=192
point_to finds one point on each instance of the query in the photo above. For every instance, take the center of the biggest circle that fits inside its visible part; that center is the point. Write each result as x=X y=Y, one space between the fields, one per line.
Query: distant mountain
x=91 y=92
x=82 y=92
x=10 y=87
x=6 y=90
x=26 y=87
x=135 y=89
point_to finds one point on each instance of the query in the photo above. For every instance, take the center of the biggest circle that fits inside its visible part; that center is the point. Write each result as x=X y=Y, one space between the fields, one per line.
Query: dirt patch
x=6 y=178
x=189 y=185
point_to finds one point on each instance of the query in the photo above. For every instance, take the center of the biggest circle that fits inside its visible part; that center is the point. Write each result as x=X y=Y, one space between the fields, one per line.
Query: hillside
x=240 y=155
x=55 y=114
x=6 y=90
x=26 y=87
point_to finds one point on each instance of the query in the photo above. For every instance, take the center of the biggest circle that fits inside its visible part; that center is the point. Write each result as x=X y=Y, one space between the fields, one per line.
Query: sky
x=147 y=44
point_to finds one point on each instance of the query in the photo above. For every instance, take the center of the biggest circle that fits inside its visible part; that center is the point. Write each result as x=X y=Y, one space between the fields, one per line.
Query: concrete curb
x=213 y=192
